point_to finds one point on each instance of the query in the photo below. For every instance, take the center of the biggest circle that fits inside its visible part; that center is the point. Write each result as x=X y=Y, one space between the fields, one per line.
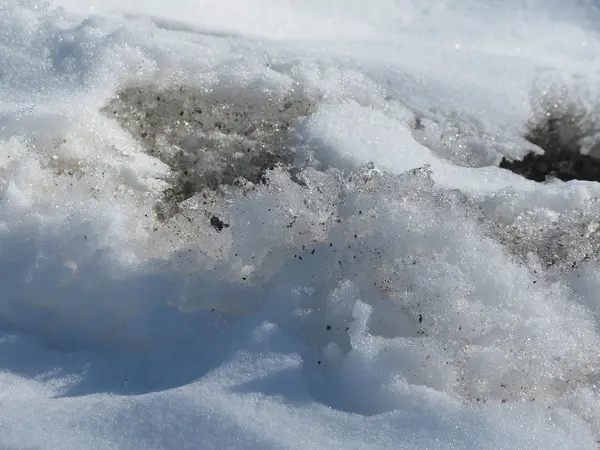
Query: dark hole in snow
x=564 y=132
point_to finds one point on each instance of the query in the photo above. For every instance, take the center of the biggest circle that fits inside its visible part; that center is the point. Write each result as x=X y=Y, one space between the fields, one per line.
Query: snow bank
x=226 y=241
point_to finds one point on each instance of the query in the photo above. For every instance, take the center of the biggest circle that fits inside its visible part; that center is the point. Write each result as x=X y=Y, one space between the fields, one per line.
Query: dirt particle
x=218 y=224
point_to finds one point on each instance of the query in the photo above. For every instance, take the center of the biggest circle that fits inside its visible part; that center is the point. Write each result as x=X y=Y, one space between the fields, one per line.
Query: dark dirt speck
x=218 y=224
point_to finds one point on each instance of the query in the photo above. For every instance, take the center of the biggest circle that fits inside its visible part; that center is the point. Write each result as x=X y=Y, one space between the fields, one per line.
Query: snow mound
x=363 y=277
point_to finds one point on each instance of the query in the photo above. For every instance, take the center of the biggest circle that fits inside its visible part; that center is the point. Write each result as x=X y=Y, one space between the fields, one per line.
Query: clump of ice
x=461 y=140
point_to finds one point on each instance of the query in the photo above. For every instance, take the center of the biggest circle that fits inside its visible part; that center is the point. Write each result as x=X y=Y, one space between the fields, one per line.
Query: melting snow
x=283 y=225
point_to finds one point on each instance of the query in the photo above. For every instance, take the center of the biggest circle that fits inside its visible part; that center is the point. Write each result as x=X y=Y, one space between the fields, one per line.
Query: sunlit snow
x=282 y=224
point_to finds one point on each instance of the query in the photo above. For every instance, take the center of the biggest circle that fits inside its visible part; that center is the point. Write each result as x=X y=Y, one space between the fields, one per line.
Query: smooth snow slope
x=398 y=291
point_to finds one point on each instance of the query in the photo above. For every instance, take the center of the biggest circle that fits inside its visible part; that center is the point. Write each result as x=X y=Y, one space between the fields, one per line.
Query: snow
x=396 y=289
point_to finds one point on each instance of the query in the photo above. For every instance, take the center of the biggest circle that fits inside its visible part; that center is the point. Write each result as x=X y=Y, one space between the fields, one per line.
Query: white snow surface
x=384 y=301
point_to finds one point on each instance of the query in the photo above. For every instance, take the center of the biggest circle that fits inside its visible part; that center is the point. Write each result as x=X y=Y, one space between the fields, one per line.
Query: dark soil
x=211 y=138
